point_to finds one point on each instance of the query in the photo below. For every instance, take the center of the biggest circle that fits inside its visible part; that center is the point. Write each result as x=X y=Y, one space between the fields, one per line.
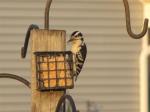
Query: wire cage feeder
x=54 y=70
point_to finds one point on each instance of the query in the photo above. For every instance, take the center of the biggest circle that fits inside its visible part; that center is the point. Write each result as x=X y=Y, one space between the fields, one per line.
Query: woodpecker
x=79 y=50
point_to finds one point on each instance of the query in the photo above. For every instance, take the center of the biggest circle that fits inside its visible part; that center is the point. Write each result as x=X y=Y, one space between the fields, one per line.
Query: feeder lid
x=52 y=52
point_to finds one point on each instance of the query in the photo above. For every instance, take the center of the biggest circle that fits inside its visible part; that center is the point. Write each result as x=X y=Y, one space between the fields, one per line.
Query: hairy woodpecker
x=79 y=50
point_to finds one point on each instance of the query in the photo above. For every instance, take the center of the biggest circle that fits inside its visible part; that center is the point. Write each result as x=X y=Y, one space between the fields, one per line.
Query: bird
x=79 y=51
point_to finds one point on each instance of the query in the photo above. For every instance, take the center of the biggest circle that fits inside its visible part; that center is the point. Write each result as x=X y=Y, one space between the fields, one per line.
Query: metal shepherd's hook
x=12 y=76
x=128 y=24
x=33 y=26
x=47 y=9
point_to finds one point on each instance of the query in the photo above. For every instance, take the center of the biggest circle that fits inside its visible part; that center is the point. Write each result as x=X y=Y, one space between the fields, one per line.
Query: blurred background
x=110 y=80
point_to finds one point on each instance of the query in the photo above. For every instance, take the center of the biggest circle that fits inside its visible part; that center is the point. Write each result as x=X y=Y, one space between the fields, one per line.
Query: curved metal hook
x=47 y=8
x=128 y=24
x=12 y=76
x=32 y=26
x=25 y=47
x=62 y=100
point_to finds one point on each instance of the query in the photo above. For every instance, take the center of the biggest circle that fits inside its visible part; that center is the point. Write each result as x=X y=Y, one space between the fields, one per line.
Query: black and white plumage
x=79 y=49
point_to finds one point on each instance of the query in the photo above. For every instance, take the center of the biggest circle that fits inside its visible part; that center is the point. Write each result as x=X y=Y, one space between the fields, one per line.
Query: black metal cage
x=54 y=70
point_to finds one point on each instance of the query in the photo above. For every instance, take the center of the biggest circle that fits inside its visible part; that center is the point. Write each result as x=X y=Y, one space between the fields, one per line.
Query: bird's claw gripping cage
x=54 y=70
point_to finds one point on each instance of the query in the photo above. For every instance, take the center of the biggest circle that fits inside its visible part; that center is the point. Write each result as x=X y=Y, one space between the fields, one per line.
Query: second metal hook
x=31 y=27
x=128 y=24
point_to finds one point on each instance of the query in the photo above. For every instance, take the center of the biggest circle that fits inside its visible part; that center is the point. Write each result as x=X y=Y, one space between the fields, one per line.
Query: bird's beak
x=70 y=40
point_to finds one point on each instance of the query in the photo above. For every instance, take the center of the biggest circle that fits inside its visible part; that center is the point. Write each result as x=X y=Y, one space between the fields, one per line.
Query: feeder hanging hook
x=128 y=24
x=33 y=26
x=12 y=76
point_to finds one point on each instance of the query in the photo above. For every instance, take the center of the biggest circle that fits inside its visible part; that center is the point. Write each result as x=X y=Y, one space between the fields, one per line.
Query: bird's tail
x=76 y=77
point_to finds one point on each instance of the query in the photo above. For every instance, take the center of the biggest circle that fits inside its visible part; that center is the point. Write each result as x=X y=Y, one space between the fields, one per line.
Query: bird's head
x=76 y=37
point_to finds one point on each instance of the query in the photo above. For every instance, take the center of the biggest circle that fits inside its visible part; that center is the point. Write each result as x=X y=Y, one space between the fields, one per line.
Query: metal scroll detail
x=12 y=76
x=128 y=24
x=63 y=100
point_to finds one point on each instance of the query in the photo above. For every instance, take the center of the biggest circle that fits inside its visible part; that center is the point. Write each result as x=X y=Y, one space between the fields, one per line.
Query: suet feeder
x=54 y=70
